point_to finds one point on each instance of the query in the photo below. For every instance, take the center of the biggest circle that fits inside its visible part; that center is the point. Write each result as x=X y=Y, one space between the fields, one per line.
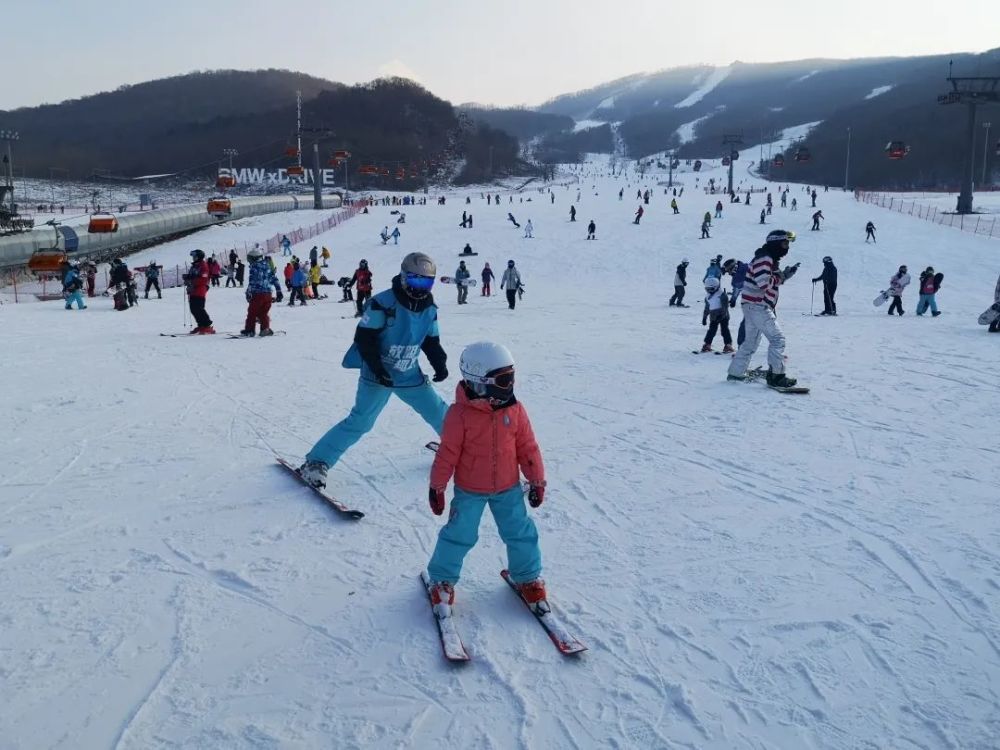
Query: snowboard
x=989 y=315
x=451 y=280
x=466 y=255
x=759 y=374
x=333 y=502
x=882 y=298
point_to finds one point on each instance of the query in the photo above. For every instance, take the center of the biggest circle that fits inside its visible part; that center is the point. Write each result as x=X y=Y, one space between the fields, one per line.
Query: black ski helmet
x=196 y=255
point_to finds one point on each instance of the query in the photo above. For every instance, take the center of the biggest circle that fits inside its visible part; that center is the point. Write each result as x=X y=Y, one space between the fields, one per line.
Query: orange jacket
x=484 y=448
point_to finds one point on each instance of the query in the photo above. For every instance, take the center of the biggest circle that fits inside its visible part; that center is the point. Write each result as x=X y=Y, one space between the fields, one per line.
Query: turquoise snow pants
x=368 y=404
x=75 y=297
x=460 y=534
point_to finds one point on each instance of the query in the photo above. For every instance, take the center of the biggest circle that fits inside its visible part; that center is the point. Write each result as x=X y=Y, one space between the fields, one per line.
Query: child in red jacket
x=486 y=443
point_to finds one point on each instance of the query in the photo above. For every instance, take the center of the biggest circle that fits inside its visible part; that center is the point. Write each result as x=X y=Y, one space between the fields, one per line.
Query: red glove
x=436 y=500
x=536 y=495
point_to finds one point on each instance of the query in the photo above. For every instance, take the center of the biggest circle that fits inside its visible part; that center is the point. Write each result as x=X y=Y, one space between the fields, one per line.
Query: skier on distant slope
x=870 y=233
x=363 y=278
x=397 y=325
x=486 y=426
x=816 y=219
x=638 y=215
x=197 y=281
x=680 y=281
x=592 y=230
x=760 y=297
x=829 y=279
x=258 y=294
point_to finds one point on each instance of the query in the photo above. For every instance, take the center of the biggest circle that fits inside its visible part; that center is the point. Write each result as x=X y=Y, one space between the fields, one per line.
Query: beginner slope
x=747 y=569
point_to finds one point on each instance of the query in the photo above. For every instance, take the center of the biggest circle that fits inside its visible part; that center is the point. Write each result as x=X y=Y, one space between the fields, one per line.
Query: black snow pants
x=511 y=297
x=829 y=303
x=678 y=296
x=197 y=307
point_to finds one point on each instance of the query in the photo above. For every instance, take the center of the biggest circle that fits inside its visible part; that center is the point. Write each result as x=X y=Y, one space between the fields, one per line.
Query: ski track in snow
x=166 y=585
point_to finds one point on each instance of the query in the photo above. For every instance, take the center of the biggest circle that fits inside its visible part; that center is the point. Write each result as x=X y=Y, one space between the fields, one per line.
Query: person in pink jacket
x=487 y=443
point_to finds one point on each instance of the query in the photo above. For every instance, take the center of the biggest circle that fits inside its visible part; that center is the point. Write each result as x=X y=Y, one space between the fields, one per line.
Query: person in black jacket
x=829 y=279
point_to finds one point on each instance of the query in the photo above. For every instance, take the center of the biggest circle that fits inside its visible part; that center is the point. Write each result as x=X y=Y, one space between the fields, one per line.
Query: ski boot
x=314 y=473
x=533 y=593
x=442 y=598
x=706 y=348
x=249 y=333
x=728 y=349
x=206 y=330
x=780 y=380
x=935 y=314
x=265 y=332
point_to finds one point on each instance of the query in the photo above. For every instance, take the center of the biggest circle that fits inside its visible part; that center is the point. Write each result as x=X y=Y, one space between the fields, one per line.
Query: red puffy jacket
x=198 y=279
x=486 y=449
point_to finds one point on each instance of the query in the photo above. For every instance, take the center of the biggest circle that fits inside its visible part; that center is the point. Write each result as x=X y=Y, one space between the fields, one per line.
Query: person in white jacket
x=528 y=229
x=511 y=281
x=896 y=286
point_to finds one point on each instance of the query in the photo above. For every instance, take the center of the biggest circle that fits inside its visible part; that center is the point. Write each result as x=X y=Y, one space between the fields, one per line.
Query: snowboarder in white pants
x=528 y=229
x=760 y=297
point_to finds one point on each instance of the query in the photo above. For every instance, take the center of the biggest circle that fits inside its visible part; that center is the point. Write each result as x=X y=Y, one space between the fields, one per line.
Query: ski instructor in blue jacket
x=396 y=326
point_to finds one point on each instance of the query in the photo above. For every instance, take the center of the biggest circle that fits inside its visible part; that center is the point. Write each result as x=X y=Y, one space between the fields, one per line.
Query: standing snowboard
x=451 y=280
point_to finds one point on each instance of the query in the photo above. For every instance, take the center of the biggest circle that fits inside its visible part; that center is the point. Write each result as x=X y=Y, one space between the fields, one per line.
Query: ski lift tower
x=731 y=142
x=971 y=91
x=7 y=188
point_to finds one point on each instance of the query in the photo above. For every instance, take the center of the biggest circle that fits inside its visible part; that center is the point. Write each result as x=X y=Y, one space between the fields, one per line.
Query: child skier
x=258 y=294
x=487 y=426
x=930 y=282
x=870 y=233
x=395 y=235
x=325 y=254
x=716 y=311
x=314 y=276
x=487 y=275
x=72 y=284
x=897 y=284
x=673 y=205
x=816 y=218
x=153 y=279
x=638 y=215
x=592 y=230
x=299 y=279
x=528 y=229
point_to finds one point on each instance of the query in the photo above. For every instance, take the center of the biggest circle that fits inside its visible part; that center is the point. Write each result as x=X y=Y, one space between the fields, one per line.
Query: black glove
x=383 y=378
x=440 y=374
x=732 y=302
x=248 y=295
x=280 y=295
x=536 y=495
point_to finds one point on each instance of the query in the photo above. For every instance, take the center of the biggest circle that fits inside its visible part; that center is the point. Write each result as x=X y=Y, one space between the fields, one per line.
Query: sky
x=505 y=52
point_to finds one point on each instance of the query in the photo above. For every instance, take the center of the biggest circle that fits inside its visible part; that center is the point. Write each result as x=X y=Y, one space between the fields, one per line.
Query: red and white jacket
x=762 y=282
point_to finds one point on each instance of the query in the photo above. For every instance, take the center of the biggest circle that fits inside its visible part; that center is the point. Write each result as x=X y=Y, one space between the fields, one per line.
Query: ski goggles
x=418 y=282
x=503 y=379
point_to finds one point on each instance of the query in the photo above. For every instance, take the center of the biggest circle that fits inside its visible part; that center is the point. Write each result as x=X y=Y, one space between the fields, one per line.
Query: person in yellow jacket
x=314 y=277
x=325 y=254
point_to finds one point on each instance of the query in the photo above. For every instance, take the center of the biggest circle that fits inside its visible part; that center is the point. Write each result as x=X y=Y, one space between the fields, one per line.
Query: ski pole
x=812 y=297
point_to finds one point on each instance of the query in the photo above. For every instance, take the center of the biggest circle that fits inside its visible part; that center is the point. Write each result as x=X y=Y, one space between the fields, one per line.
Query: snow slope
x=750 y=570
x=712 y=80
x=879 y=90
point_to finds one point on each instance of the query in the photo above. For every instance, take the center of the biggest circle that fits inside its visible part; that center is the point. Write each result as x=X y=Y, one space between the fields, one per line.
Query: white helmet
x=488 y=369
x=711 y=284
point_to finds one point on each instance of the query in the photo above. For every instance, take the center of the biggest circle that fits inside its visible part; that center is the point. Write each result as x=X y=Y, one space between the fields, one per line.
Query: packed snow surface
x=878 y=91
x=686 y=132
x=713 y=79
x=749 y=569
x=588 y=125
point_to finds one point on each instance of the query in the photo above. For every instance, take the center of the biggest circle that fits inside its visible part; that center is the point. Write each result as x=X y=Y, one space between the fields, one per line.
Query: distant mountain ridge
x=879 y=99
x=183 y=123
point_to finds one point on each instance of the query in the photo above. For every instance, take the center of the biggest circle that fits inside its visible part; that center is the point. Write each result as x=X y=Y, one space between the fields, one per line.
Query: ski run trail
x=748 y=569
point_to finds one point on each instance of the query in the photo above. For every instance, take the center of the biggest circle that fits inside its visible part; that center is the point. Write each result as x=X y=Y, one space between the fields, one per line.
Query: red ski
x=567 y=644
x=451 y=642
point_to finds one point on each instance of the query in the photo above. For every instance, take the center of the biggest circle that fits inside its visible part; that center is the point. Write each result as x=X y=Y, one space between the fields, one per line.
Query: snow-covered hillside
x=749 y=569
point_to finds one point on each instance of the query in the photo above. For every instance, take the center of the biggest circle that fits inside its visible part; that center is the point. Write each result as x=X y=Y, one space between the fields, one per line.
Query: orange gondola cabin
x=225 y=181
x=220 y=207
x=102 y=224
x=896 y=149
x=803 y=154
x=779 y=161
x=47 y=262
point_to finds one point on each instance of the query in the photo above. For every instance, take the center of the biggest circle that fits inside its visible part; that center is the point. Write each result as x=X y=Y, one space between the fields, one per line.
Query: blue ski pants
x=926 y=300
x=77 y=297
x=369 y=403
x=460 y=534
